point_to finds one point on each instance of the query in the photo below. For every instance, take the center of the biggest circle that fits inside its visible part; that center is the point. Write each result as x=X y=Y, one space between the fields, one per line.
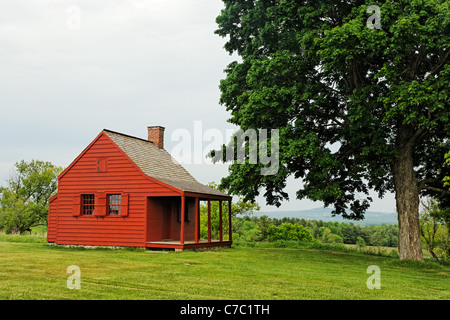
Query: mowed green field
x=38 y=271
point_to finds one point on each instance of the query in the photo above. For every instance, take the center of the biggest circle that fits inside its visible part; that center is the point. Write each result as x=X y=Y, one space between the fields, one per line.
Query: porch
x=173 y=222
x=173 y=244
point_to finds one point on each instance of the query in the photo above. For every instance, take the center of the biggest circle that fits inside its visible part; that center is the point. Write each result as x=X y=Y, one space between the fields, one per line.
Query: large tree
x=360 y=103
x=24 y=201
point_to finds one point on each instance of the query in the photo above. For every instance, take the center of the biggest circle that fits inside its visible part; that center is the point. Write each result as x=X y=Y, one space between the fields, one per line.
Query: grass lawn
x=38 y=271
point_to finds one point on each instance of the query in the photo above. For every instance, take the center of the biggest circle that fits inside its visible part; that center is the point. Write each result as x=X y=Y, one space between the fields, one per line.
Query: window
x=114 y=204
x=102 y=165
x=87 y=204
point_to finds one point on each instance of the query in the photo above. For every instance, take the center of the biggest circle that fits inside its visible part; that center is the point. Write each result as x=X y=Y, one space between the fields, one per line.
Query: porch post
x=229 y=221
x=182 y=219
x=199 y=225
x=220 y=221
x=197 y=218
x=209 y=220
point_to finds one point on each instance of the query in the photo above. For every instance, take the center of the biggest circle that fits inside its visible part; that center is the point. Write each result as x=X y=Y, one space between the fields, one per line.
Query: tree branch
x=443 y=191
x=422 y=184
x=415 y=136
x=332 y=89
x=439 y=64
x=418 y=61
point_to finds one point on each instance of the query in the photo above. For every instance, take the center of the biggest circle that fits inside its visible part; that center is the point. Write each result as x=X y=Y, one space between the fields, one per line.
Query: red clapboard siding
x=115 y=174
x=52 y=219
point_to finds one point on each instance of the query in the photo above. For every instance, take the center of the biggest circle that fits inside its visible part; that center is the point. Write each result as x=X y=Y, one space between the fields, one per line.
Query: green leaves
x=24 y=203
x=289 y=231
x=447 y=179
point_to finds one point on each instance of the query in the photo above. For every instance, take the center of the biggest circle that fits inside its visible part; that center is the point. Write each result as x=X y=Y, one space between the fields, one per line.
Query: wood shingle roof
x=159 y=164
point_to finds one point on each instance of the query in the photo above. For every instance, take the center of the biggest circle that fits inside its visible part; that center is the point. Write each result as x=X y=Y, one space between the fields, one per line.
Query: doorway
x=166 y=217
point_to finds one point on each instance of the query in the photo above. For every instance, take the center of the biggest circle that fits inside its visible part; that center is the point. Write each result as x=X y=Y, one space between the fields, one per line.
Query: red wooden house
x=126 y=191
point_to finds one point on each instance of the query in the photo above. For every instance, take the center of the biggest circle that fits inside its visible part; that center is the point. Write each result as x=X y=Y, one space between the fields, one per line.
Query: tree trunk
x=407 y=200
x=430 y=250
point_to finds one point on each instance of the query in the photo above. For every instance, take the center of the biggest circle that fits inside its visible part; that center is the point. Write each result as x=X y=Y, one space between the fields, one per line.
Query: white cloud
x=123 y=65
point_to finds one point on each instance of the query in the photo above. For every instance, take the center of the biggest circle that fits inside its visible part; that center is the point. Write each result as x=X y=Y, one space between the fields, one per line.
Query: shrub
x=360 y=242
x=288 y=231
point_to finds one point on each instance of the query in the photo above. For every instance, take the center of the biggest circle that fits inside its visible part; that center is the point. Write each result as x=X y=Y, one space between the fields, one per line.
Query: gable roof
x=159 y=164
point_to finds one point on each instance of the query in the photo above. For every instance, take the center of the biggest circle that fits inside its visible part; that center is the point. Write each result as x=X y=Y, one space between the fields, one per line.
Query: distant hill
x=324 y=214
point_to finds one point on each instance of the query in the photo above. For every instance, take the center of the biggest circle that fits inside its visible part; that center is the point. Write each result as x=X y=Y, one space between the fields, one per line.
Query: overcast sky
x=69 y=69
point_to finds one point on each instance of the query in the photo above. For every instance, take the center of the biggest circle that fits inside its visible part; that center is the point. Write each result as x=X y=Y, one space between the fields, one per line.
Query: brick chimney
x=156 y=135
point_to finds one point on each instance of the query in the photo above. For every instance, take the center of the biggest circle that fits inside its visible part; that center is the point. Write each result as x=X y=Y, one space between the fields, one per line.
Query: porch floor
x=188 y=244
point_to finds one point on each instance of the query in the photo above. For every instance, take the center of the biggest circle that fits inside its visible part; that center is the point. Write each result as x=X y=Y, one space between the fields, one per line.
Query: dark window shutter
x=102 y=165
x=100 y=205
x=76 y=205
x=124 y=205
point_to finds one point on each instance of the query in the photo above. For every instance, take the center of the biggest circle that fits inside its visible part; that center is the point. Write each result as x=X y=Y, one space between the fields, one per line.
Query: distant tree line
x=248 y=228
